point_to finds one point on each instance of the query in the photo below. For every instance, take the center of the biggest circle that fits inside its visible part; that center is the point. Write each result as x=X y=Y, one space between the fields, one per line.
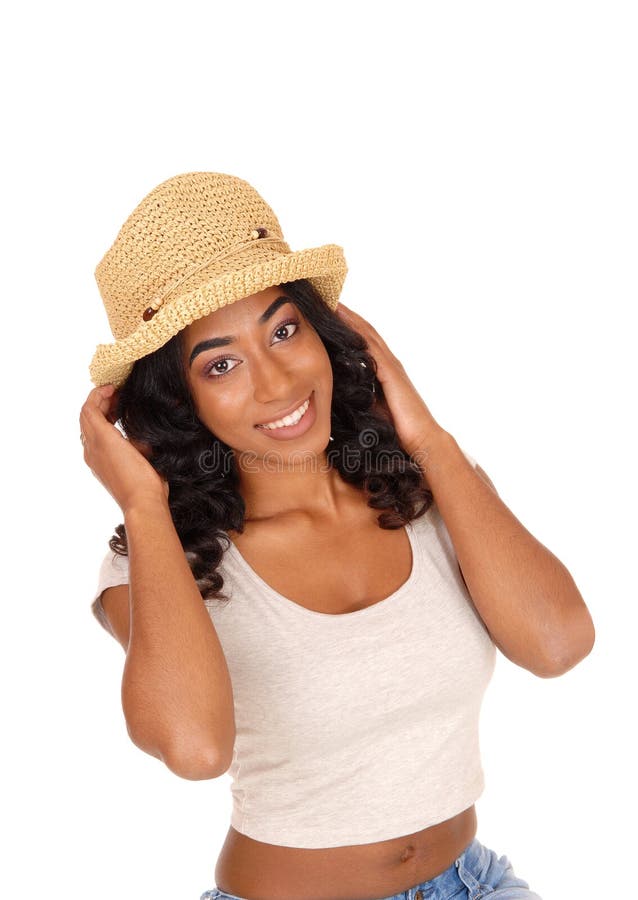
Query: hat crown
x=180 y=226
x=194 y=244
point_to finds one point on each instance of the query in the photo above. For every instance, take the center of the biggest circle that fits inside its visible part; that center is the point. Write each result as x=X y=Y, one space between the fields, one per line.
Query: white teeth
x=292 y=419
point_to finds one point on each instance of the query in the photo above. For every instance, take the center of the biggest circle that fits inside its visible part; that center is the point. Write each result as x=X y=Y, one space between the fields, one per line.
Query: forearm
x=176 y=687
x=524 y=594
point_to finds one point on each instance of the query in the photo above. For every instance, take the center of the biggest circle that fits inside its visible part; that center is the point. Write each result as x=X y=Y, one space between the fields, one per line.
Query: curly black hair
x=155 y=407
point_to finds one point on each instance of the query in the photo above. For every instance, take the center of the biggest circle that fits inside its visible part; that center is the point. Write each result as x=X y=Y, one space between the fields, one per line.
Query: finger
x=350 y=312
x=111 y=413
x=98 y=400
x=105 y=395
x=357 y=320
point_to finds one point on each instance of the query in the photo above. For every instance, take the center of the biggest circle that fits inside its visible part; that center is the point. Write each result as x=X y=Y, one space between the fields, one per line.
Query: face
x=252 y=363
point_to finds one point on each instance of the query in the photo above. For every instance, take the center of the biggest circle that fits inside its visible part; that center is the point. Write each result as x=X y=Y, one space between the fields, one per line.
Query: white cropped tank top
x=356 y=727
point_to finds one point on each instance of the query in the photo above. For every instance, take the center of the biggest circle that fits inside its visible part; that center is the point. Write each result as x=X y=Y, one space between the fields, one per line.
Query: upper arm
x=110 y=603
x=115 y=602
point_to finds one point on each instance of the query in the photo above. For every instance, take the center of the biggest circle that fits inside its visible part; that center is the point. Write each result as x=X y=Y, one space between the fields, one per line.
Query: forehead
x=242 y=315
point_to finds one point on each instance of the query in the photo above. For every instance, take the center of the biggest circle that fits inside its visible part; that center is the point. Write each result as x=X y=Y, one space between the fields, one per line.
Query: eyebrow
x=211 y=343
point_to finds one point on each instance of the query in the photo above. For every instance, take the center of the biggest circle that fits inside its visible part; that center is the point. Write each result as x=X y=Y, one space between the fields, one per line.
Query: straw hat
x=197 y=242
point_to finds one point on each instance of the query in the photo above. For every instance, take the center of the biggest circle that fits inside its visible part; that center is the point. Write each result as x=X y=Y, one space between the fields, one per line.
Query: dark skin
x=332 y=526
x=268 y=872
x=524 y=595
x=271 y=368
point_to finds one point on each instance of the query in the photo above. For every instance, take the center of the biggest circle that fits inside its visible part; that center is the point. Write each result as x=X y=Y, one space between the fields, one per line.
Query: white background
x=477 y=162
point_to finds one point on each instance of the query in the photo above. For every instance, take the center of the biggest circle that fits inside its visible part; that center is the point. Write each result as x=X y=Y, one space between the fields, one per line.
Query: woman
x=337 y=663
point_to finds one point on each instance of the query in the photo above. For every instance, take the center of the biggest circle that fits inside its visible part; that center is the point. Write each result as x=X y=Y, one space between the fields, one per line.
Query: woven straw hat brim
x=325 y=267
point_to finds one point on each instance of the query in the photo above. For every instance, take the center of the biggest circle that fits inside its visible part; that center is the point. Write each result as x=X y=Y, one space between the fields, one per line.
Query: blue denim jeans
x=478 y=872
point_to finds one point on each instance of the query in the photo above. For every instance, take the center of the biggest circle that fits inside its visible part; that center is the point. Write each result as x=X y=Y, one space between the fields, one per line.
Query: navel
x=408 y=853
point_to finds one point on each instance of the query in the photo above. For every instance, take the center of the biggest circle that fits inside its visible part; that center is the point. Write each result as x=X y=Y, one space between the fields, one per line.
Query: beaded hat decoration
x=197 y=242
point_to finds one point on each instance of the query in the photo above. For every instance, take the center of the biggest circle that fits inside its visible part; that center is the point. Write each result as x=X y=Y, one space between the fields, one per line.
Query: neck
x=310 y=487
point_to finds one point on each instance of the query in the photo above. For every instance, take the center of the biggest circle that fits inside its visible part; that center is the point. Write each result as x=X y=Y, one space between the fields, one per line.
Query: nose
x=272 y=381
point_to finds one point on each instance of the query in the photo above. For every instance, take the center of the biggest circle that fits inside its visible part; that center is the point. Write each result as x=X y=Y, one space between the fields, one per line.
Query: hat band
x=259 y=234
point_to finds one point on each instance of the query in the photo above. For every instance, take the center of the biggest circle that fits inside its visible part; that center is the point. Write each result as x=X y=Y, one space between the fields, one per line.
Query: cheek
x=213 y=410
x=320 y=355
x=326 y=366
x=224 y=418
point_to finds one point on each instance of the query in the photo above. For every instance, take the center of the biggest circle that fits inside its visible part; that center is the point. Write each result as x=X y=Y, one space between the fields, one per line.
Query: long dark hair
x=155 y=407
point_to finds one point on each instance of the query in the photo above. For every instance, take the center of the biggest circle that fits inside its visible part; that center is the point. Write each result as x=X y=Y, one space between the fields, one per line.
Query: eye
x=212 y=372
x=286 y=325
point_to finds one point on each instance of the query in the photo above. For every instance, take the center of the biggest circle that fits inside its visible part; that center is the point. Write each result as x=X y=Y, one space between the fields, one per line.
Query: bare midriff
x=254 y=870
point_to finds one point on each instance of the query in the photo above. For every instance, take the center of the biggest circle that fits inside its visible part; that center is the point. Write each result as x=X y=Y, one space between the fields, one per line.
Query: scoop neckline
x=286 y=602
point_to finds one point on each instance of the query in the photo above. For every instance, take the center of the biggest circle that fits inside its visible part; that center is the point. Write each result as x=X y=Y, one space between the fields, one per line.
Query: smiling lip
x=283 y=415
x=296 y=431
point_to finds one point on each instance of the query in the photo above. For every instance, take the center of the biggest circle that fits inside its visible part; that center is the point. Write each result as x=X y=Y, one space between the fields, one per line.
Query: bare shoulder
x=115 y=602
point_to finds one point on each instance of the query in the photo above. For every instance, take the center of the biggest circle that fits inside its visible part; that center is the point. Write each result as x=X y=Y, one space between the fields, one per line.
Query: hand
x=119 y=464
x=413 y=422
